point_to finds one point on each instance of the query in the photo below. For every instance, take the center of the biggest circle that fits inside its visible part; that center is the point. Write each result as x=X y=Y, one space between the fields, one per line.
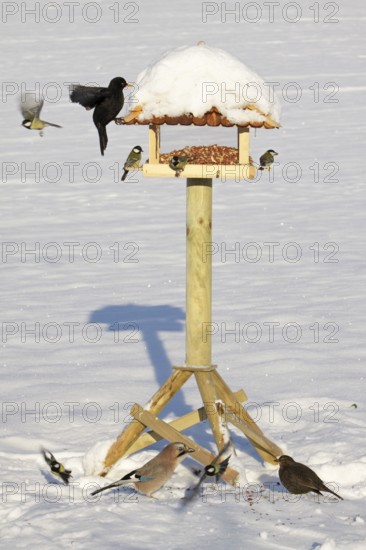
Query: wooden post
x=243 y=145
x=154 y=144
x=199 y=296
x=199 y=271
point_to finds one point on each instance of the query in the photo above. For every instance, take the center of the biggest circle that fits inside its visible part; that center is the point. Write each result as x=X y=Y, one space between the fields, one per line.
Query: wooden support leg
x=168 y=432
x=207 y=388
x=134 y=429
x=236 y=414
x=182 y=423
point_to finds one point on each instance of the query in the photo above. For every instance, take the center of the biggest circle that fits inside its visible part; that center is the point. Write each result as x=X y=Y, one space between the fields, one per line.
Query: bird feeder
x=221 y=406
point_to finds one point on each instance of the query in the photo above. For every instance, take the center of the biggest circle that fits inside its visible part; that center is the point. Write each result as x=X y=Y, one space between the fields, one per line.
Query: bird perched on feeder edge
x=106 y=102
x=132 y=162
x=267 y=159
x=178 y=164
x=56 y=467
x=31 y=109
x=151 y=476
x=300 y=479
x=216 y=468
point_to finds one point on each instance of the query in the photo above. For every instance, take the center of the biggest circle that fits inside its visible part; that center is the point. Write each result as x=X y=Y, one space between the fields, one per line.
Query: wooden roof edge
x=211 y=118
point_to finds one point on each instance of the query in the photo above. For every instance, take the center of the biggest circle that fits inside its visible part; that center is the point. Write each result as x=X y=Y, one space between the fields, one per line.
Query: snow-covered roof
x=203 y=85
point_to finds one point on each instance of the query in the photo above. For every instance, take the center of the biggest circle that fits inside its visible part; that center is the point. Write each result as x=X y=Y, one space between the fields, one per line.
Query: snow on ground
x=93 y=319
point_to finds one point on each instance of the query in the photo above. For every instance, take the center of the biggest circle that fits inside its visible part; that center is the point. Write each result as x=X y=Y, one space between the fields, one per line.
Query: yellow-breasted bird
x=216 y=468
x=106 y=102
x=31 y=109
x=177 y=164
x=132 y=162
x=56 y=467
x=300 y=479
x=267 y=159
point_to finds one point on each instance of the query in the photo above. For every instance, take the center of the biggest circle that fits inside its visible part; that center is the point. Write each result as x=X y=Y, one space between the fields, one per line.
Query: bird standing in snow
x=267 y=159
x=216 y=468
x=31 y=109
x=299 y=479
x=150 y=477
x=132 y=162
x=56 y=467
x=106 y=102
x=178 y=164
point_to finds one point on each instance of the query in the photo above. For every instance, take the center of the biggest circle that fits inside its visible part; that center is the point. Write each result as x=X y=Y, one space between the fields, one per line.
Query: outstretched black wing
x=88 y=96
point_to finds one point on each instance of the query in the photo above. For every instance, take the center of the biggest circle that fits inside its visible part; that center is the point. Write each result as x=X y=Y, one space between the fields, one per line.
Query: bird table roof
x=201 y=85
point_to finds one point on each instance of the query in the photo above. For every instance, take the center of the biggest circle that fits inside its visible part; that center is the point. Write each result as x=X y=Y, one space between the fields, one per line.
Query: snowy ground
x=85 y=334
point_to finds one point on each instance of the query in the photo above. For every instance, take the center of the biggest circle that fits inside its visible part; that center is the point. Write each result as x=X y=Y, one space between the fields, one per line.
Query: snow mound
x=195 y=79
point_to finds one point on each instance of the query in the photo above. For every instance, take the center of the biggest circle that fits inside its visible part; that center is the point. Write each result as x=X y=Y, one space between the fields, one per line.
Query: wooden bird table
x=220 y=404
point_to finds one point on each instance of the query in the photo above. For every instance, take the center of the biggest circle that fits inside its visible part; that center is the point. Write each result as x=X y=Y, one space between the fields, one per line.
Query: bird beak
x=129 y=84
x=190 y=450
x=277 y=459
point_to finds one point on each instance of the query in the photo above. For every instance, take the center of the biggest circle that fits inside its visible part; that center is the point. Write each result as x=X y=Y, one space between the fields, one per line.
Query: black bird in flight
x=106 y=102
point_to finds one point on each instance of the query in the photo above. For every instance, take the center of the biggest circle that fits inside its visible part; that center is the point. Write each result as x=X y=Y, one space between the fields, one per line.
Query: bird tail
x=124 y=176
x=103 y=138
x=119 y=483
x=333 y=493
x=51 y=124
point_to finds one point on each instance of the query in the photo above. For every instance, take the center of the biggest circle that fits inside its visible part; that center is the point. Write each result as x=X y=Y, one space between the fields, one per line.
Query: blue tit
x=132 y=162
x=106 y=102
x=267 y=159
x=31 y=110
x=56 y=467
x=149 y=478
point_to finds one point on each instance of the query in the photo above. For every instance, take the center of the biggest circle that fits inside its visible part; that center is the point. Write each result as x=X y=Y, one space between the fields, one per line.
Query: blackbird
x=106 y=102
x=31 y=110
x=132 y=161
x=56 y=467
x=299 y=479
x=267 y=159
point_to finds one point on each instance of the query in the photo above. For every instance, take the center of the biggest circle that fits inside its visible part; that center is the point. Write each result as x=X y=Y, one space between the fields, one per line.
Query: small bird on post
x=300 y=479
x=56 y=467
x=151 y=476
x=106 y=102
x=132 y=162
x=31 y=110
x=267 y=159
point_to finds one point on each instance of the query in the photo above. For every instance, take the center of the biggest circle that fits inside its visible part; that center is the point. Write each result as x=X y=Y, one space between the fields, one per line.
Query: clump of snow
x=194 y=79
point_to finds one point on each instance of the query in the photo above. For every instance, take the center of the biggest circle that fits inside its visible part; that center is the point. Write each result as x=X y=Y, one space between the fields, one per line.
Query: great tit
x=31 y=110
x=56 y=467
x=178 y=164
x=267 y=159
x=216 y=468
x=132 y=162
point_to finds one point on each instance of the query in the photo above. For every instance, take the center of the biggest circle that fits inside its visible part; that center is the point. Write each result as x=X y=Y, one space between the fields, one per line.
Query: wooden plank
x=239 y=417
x=205 y=171
x=183 y=423
x=133 y=430
x=202 y=455
x=209 y=396
x=154 y=144
x=243 y=145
